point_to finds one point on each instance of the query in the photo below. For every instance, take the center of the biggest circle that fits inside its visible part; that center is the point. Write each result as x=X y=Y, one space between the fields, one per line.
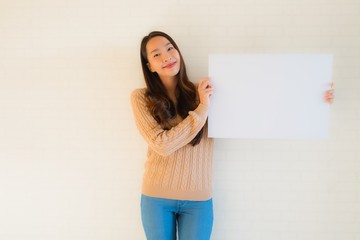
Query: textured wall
x=71 y=159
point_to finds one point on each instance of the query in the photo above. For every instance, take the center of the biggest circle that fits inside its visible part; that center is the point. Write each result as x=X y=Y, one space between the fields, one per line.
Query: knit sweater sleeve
x=165 y=142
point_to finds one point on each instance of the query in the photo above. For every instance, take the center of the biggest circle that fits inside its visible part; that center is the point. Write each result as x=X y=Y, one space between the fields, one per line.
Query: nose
x=166 y=57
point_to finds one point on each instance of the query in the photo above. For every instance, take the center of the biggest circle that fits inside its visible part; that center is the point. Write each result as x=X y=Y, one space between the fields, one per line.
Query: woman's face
x=163 y=58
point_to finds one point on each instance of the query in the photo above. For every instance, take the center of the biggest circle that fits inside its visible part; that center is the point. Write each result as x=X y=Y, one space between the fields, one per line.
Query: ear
x=149 y=66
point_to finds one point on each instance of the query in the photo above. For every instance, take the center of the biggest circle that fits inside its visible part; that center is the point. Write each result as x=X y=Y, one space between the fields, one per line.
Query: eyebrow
x=156 y=49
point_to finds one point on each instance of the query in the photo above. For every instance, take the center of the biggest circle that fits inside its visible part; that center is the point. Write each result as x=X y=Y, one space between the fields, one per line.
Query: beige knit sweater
x=174 y=169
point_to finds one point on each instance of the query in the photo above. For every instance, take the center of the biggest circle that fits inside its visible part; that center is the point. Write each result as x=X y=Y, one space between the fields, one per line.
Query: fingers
x=205 y=89
x=329 y=94
x=204 y=83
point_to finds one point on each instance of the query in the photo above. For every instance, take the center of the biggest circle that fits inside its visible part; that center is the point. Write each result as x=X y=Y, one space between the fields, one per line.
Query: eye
x=156 y=55
x=170 y=48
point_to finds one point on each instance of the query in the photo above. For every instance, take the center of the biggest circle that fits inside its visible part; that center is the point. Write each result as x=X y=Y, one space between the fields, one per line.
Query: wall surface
x=71 y=159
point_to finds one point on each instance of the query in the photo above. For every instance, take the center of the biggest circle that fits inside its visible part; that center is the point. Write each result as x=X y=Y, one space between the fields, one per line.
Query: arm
x=165 y=142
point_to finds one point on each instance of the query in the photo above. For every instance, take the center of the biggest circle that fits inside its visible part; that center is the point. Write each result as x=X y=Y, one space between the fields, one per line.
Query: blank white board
x=269 y=96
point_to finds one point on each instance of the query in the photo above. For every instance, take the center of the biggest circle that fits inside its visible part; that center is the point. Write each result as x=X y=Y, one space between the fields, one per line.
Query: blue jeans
x=164 y=219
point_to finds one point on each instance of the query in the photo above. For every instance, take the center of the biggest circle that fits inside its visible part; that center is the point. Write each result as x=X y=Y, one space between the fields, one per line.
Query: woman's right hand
x=205 y=89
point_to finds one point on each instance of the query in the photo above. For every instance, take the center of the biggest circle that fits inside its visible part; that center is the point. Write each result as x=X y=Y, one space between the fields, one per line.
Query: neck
x=170 y=86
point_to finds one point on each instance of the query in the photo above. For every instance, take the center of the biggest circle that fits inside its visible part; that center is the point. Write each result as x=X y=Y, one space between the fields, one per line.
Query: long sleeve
x=165 y=142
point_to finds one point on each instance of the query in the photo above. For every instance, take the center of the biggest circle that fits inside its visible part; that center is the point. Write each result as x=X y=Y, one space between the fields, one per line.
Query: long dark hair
x=162 y=108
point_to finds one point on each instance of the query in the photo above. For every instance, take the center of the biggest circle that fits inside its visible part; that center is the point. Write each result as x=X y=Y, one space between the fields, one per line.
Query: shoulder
x=138 y=94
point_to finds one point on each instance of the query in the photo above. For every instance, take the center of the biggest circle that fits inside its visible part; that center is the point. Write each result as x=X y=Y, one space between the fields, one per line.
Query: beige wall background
x=71 y=159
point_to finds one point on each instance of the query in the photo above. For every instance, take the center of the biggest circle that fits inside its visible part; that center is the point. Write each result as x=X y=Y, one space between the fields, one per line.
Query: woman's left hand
x=329 y=94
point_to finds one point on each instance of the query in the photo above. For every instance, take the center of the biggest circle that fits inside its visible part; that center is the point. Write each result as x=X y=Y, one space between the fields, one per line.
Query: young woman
x=171 y=115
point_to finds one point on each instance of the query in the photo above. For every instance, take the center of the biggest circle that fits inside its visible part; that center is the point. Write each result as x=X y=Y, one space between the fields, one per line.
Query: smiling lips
x=170 y=65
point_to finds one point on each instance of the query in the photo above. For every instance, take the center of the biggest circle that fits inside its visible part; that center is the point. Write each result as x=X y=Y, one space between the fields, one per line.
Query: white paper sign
x=268 y=96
